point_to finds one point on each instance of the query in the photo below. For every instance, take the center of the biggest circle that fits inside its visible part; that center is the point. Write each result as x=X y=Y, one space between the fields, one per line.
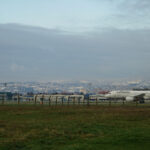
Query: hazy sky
x=78 y=15
x=74 y=39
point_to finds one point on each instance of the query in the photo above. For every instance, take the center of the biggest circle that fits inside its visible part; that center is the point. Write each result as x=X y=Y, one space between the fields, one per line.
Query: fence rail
x=67 y=100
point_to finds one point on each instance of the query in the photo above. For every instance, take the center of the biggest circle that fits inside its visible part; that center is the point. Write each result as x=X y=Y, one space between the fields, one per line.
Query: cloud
x=121 y=14
x=128 y=14
x=110 y=53
x=15 y=67
x=127 y=4
x=138 y=4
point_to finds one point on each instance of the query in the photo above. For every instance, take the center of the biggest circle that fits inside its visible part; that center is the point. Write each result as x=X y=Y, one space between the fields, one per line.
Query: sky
x=78 y=15
x=47 y=40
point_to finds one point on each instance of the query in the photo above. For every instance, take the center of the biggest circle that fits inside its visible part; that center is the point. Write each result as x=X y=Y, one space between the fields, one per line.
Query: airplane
x=129 y=95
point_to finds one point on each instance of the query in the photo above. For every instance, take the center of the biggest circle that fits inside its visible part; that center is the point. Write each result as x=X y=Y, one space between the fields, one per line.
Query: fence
x=74 y=100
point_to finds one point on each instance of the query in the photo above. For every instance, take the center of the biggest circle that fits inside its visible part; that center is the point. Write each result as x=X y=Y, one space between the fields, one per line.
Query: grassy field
x=74 y=128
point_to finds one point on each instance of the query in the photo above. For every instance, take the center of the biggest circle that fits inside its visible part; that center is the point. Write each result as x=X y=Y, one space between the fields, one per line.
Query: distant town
x=77 y=87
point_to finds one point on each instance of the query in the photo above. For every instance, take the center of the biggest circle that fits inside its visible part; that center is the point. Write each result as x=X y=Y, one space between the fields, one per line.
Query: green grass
x=28 y=127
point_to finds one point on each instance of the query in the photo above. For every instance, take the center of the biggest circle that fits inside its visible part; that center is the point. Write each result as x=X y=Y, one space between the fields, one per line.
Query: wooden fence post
x=123 y=102
x=49 y=101
x=68 y=100
x=96 y=101
x=73 y=100
x=62 y=101
x=88 y=102
x=56 y=100
x=35 y=99
x=18 y=99
x=78 y=101
x=42 y=99
x=110 y=102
